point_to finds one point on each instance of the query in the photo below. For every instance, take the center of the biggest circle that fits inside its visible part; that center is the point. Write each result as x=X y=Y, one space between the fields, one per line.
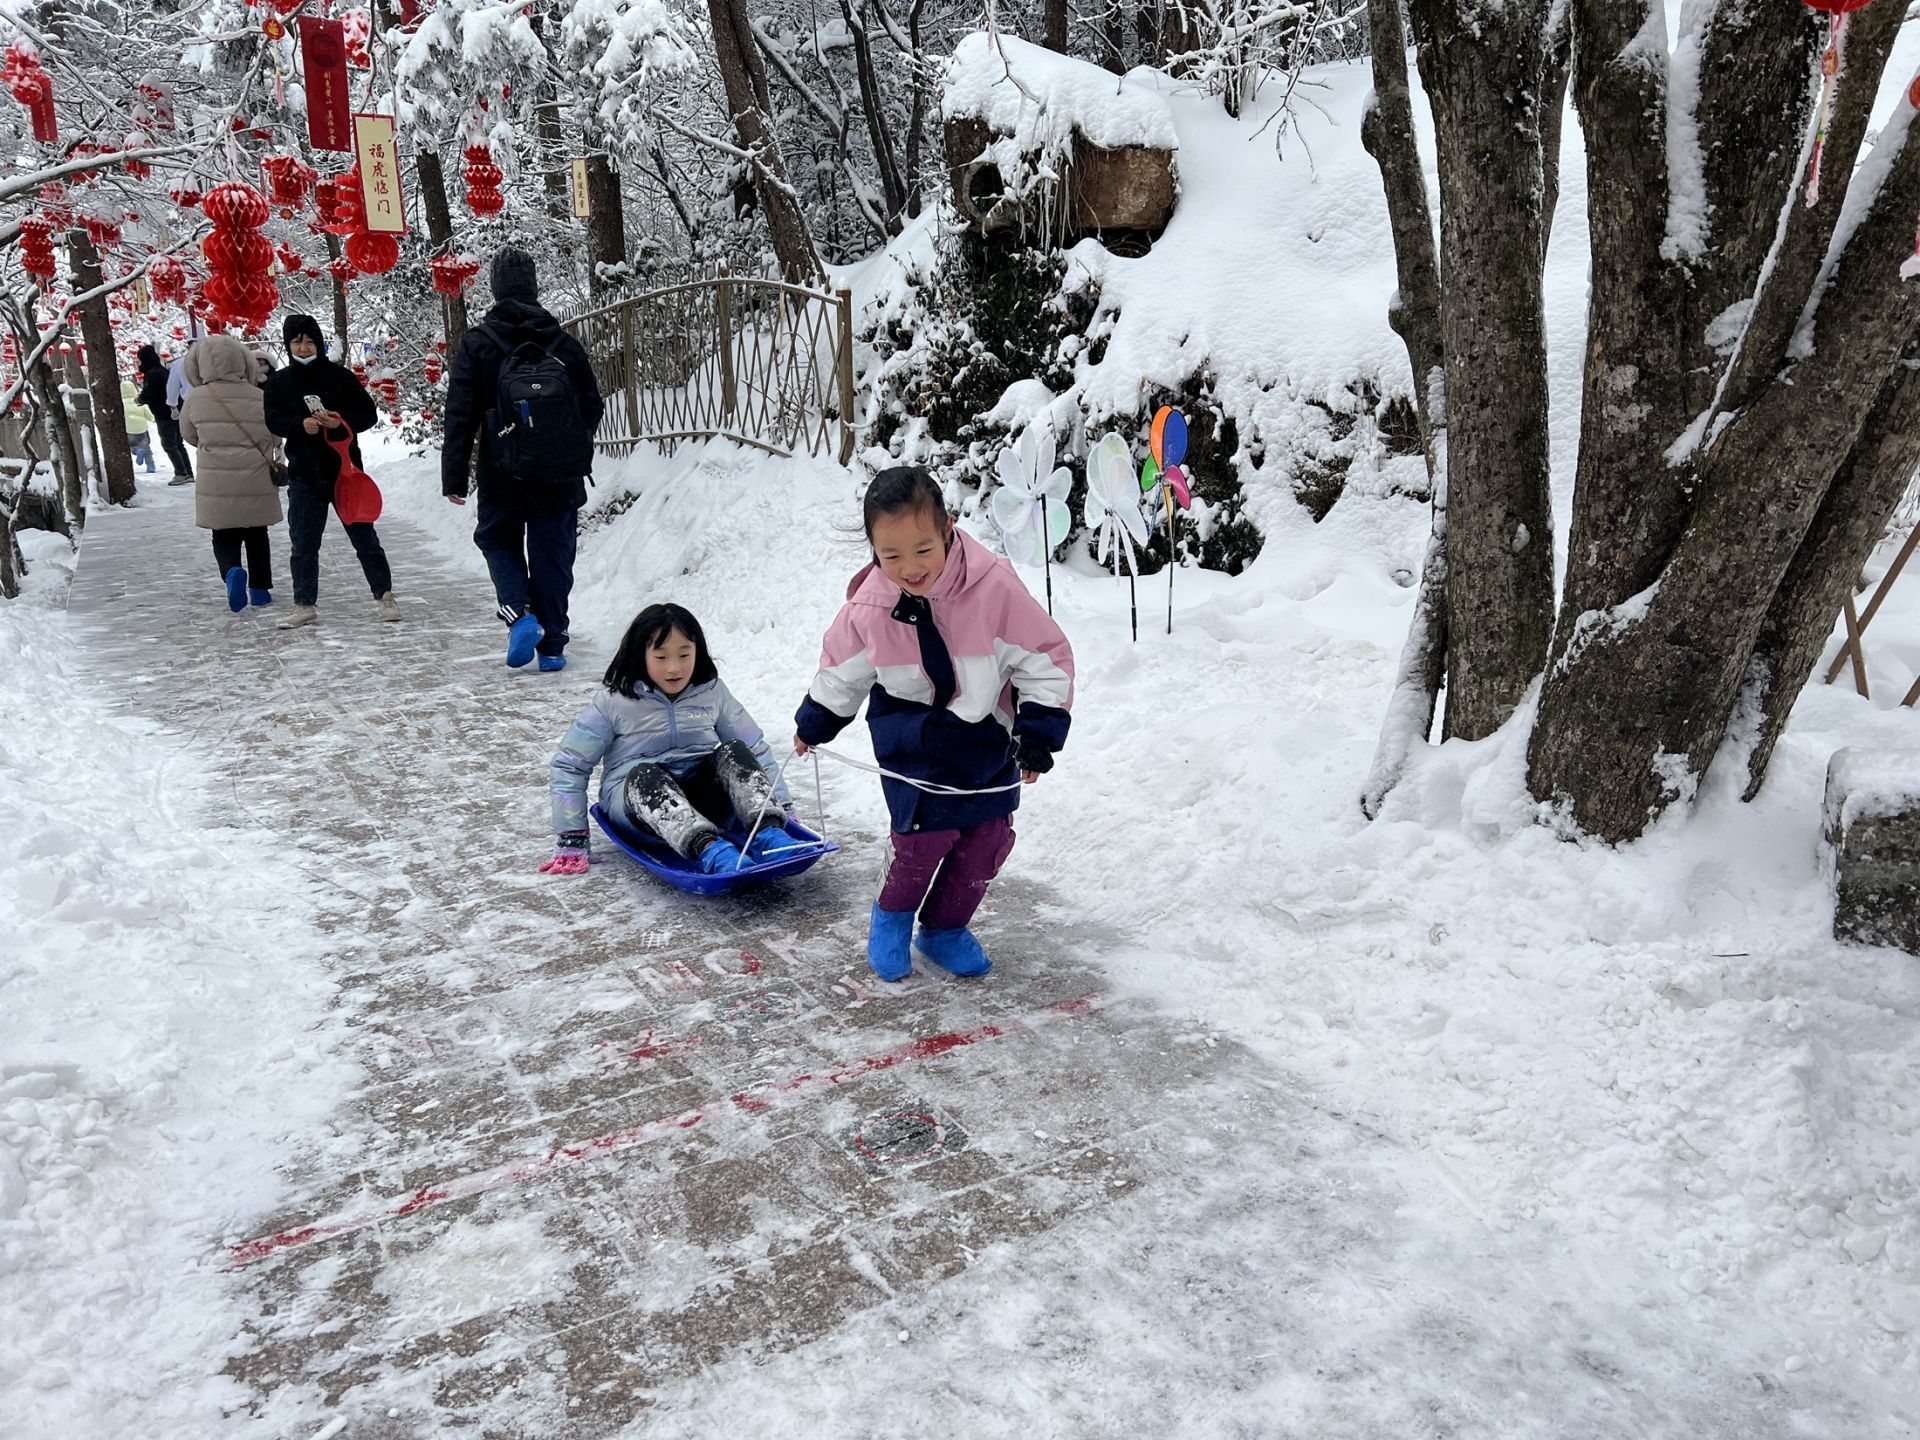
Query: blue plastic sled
x=660 y=859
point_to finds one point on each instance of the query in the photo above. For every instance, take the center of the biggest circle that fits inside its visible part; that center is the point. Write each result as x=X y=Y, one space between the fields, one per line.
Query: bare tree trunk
x=872 y=105
x=917 y=122
x=751 y=107
x=1414 y=313
x=1849 y=524
x=1639 y=707
x=62 y=450
x=1483 y=72
x=606 y=225
x=1553 y=106
x=1113 y=27
x=433 y=201
x=339 y=304
x=103 y=371
x=1055 y=37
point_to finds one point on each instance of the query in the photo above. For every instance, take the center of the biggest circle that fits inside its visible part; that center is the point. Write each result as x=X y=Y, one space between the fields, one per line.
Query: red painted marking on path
x=747 y=1102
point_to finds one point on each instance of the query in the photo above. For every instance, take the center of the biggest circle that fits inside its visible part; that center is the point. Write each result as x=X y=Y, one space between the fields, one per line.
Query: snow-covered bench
x=1872 y=829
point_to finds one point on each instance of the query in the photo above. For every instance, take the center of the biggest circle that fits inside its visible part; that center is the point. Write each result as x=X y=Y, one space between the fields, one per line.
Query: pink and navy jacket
x=967 y=686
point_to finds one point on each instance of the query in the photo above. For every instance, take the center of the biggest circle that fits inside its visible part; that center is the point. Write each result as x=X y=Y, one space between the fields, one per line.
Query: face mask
x=303 y=359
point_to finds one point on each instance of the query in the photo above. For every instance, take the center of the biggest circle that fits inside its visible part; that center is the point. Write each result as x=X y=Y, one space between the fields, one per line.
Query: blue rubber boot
x=773 y=843
x=260 y=597
x=890 y=943
x=553 y=662
x=236 y=589
x=720 y=857
x=522 y=636
x=954 y=951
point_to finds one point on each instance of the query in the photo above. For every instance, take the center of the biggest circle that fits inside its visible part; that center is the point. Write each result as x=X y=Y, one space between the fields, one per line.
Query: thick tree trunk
x=103 y=372
x=433 y=202
x=752 y=108
x=606 y=226
x=1645 y=692
x=1850 y=522
x=1414 y=313
x=1802 y=249
x=1055 y=31
x=1483 y=72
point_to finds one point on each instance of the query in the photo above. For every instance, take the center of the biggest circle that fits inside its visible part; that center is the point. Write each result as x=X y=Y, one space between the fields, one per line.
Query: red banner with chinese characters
x=323 y=56
x=379 y=174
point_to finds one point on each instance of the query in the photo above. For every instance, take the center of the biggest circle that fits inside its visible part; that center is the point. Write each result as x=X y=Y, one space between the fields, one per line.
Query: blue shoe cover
x=260 y=597
x=522 y=636
x=954 y=951
x=553 y=662
x=773 y=843
x=889 y=943
x=236 y=589
x=720 y=857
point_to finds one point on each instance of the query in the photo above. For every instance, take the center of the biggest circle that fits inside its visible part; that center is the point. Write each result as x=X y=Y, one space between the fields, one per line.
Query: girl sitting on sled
x=680 y=757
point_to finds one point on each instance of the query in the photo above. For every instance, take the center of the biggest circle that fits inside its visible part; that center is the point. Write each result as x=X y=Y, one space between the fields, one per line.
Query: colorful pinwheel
x=1165 y=483
x=1030 y=507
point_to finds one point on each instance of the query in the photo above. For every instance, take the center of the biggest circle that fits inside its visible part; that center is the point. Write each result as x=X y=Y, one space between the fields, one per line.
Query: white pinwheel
x=1030 y=507
x=1113 y=502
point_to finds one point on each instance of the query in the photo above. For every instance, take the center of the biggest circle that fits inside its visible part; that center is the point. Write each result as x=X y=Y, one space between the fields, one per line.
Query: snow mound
x=1040 y=98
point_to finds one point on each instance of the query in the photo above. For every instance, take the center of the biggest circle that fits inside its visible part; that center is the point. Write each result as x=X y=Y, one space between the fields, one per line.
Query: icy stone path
x=626 y=1162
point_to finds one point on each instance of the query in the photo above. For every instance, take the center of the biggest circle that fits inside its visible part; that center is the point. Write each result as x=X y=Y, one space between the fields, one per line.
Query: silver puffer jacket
x=621 y=731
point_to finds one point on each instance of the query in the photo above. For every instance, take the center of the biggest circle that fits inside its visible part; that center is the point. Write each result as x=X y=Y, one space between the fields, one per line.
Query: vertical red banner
x=323 y=56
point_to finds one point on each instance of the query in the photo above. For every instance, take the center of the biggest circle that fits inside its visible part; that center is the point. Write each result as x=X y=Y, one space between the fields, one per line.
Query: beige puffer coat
x=225 y=420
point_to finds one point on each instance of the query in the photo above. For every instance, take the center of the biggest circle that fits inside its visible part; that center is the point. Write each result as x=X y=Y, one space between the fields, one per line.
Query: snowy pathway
x=627 y=1162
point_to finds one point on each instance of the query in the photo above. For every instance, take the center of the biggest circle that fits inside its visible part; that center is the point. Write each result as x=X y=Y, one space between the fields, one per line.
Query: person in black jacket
x=306 y=401
x=153 y=395
x=529 y=523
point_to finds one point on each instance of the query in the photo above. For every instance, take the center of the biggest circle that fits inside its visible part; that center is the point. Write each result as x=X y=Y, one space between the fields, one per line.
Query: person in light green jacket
x=139 y=424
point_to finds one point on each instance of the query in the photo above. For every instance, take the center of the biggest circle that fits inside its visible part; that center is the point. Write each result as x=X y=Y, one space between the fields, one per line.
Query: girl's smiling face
x=670 y=663
x=911 y=548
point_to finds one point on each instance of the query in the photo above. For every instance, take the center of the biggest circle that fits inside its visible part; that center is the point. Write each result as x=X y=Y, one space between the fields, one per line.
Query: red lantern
x=168 y=277
x=32 y=87
x=373 y=254
x=103 y=230
x=236 y=206
x=288 y=179
x=452 y=272
x=36 y=247
x=290 y=259
x=389 y=388
x=184 y=195
x=433 y=369
x=287 y=7
x=483 y=179
x=239 y=289
x=341 y=269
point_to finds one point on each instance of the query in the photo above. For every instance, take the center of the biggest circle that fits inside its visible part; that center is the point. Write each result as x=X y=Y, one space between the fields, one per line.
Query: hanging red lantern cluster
x=483 y=179
x=341 y=269
x=136 y=169
x=32 y=87
x=433 y=369
x=168 y=279
x=388 y=386
x=452 y=272
x=36 y=247
x=102 y=230
x=157 y=103
x=288 y=181
x=291 y=260
x=238 y=287
x=185 y=195
x=342 y=210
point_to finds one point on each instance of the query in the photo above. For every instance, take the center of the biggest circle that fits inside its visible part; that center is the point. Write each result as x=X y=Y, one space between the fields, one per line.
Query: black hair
x=902 y=490
x=650 y=628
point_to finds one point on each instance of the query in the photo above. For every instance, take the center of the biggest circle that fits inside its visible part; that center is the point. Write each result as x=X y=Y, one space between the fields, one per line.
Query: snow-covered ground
x=1650 y=1066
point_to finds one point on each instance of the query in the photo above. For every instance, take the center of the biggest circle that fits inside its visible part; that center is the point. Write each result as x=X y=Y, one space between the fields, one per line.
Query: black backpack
x=537 y=432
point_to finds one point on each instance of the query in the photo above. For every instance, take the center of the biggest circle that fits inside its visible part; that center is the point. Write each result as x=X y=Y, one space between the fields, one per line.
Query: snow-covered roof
x=1040 y=97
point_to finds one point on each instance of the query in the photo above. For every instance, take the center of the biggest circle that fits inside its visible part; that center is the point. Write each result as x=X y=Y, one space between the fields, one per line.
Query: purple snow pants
x=948 y=869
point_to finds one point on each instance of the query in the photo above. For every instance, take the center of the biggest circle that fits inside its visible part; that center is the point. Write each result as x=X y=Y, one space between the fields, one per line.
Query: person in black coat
x=307 y=400
x=153 y=395
x=528 y=527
